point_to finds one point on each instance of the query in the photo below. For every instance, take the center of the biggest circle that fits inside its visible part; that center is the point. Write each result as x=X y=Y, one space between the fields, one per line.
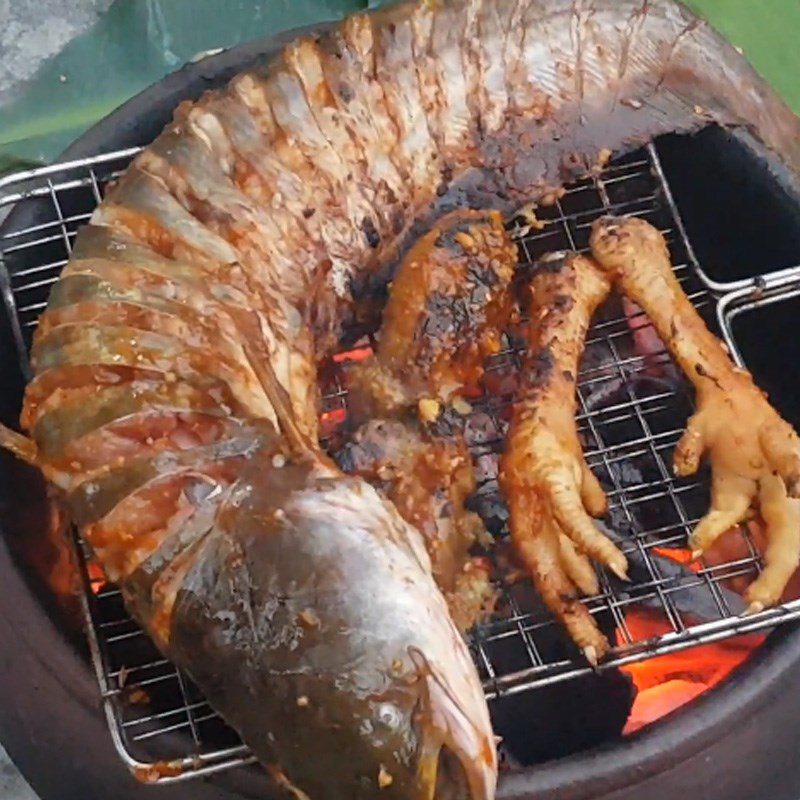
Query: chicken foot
x=551 y=492
x=447 y=304
x=754 y=453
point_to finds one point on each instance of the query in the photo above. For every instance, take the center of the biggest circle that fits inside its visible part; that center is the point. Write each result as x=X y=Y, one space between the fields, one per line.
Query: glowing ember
x=681 y=556
x=669 y=682
x=97 y=578
x=660 y=700
x=330 y=421
x=359 y=354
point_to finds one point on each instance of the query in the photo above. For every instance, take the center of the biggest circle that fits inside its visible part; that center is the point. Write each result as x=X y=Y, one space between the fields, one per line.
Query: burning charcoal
x=563 y=718
x=622 y=524
x=449 y=424
x=694 y=598
x=378 y=442
x=489 y=505
x=482 y=430
x=625 y=473
x=617 y=391
x=486 y=468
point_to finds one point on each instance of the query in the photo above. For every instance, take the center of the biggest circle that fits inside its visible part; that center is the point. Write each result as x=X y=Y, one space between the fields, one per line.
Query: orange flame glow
x=353 y=355
x=97 y=578
x=670 y=681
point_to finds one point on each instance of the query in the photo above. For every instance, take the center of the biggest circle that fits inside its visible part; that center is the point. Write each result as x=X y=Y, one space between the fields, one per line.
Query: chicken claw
x=448 y=302
x=552 y=493
x=754 y=453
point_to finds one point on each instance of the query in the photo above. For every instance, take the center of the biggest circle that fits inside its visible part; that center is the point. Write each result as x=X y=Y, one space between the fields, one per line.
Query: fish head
x=343 y=669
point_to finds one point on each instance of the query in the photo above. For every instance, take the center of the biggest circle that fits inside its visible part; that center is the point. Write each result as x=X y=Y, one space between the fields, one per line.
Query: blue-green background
x=131 y=47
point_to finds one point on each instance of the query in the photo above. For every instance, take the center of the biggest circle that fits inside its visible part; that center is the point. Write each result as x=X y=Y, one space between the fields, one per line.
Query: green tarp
x=138 y=41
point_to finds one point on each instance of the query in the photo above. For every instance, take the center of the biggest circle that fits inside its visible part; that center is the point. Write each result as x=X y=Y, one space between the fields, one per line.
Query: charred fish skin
x=226 y=262
x=428 y=477
x=580 y=79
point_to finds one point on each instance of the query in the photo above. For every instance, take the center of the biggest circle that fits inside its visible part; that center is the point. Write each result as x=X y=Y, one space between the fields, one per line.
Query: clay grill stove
x=162 y=729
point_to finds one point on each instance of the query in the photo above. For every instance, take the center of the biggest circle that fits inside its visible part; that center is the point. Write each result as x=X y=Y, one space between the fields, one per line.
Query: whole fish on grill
x=174 y=397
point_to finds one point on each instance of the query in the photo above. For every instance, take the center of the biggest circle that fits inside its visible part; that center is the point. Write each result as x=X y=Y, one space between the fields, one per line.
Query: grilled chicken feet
x=754 y=453
x=447 y=305
x=551 y=492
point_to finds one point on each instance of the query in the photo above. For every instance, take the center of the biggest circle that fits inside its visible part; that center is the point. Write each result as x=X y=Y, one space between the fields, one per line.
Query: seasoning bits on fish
x=385 y=779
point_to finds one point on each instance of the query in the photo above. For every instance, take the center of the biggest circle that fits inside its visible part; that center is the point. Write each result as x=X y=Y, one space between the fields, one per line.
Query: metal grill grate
x=633 y=408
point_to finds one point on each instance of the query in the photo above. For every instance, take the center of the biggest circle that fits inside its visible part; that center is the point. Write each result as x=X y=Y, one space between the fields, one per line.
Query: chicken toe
x=537 y=543
x=578 y=567
x=782 y=517
x=731 y=497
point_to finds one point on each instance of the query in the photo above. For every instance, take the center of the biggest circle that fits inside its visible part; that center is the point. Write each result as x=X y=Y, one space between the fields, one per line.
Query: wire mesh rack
x=633 y=408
